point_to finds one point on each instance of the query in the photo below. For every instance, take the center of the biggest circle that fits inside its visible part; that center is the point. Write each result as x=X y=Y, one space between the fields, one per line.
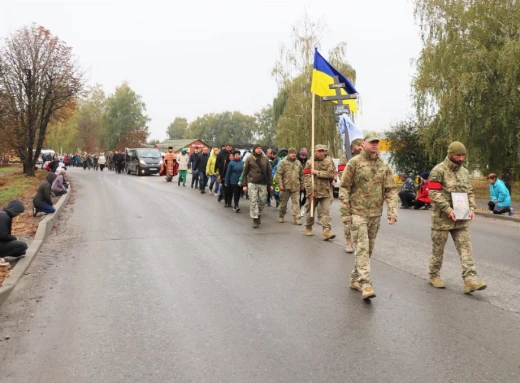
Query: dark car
x=141 y=161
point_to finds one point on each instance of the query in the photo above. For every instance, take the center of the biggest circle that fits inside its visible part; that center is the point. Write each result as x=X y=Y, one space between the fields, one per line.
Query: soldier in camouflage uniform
x=355 y=147
x=257 y=176
x=366 y=183
x=447 y=177
x=323 y=173
x=289 y=176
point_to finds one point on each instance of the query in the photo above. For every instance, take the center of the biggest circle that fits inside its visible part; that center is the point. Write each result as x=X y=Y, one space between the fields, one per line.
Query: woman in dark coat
x=42 y=201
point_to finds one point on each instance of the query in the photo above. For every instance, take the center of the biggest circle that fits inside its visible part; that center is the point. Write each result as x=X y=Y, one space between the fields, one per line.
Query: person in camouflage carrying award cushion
x=446 y=178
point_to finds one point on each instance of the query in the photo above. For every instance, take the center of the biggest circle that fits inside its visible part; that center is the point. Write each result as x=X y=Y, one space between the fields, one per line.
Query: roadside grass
x=9 y=169
x=15 y=185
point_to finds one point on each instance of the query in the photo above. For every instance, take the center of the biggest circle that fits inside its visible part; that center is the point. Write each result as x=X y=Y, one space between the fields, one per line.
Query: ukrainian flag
x=323 y=76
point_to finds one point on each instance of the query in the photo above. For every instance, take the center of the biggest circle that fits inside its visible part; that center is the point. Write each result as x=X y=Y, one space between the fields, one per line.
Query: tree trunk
x=28 y=167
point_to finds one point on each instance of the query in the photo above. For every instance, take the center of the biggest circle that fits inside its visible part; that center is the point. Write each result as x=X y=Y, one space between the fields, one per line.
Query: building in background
x=177 y=145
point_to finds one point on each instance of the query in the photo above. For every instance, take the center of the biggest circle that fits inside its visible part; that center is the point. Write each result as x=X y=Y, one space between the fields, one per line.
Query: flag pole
x=312 y=148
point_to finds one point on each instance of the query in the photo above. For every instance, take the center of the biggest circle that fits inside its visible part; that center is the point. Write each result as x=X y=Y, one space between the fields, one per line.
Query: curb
x=497 y=216
x=44 y=229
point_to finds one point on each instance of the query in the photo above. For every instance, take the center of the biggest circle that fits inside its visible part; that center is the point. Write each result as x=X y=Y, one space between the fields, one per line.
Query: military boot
x=349 y=248
x=470 y=286
x=354 y=285
x=281 y=219
x=297 y=221
x=259 y=219
x=367 y=292
x=308 y=231
x=437 y=282
x=255 y=223
x=328 y=235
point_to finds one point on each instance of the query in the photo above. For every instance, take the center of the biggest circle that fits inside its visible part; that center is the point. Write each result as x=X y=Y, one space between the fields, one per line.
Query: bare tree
x=39 y=82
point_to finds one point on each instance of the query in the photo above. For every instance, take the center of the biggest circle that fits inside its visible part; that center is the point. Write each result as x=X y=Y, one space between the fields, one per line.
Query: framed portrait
x=460 y=205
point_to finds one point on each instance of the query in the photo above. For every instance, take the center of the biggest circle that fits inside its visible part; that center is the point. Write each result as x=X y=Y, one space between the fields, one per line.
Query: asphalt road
x=145 y=281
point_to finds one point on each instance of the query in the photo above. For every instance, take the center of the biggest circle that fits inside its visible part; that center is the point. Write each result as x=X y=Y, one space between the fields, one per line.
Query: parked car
x=142 y=161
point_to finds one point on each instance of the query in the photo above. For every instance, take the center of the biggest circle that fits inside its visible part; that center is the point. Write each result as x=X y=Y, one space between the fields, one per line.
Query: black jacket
x=43 y=195
x=303 y=161
x=222 y=158
x=12 y=209
x=193 y=159
x=201 y=161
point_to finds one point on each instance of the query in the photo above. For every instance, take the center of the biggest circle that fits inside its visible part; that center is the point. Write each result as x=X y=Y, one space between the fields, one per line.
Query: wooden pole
x=312 y=149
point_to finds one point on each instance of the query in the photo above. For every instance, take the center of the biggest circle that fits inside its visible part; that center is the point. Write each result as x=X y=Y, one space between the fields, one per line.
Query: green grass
x=10 y=169
x=14 y=184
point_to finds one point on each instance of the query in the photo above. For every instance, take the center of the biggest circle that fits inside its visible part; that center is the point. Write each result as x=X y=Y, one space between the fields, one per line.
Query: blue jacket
x=233 y=172
x=500 y=192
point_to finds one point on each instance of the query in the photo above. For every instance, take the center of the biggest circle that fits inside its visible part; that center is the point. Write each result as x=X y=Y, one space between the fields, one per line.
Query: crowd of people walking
x=367 y=183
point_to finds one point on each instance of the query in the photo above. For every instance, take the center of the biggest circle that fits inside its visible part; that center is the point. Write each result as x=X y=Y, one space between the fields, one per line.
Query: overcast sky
x=187 y=58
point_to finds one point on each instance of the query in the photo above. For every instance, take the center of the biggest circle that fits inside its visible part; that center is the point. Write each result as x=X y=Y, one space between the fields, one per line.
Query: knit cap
x=455 y=148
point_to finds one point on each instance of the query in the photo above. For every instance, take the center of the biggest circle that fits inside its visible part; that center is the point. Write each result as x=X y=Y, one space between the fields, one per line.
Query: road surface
x=145 y=281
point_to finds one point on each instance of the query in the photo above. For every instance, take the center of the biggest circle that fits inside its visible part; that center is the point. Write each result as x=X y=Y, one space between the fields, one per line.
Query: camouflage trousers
x=364 y=231
x=462 y=240
x=322 y=205
x=295 y=203
x=257 y=199
x=348 y=233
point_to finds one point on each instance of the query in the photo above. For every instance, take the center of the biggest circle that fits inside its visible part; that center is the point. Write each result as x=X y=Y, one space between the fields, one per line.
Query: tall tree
x=177 y=129
x=89 y=121
x=466 y=87
x=266 y=129
x=125 y=119
x=407 y=150
x=293 y=106
x=62 y=135
x=38 y=80
x=218 y=129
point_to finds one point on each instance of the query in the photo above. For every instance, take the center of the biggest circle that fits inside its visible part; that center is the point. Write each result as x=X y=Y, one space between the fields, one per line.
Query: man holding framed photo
x=453 y=203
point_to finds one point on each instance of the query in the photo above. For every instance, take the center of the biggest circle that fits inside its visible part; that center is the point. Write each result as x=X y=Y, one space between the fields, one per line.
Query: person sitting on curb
x=42 y=201
x=58 y=187
x=407 y=193
x=9 y=245
x=500 y=198
x=423 y=199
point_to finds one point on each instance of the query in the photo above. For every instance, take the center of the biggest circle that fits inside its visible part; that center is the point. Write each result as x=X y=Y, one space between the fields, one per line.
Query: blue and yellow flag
x=323 y=76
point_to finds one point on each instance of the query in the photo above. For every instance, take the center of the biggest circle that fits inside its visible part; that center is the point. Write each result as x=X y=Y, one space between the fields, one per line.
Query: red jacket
x=423 y=193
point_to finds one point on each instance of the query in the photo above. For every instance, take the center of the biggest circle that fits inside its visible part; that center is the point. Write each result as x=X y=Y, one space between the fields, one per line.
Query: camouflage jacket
x=289 y=174
x=343 y=162
x=445 y=178
x=326 y=173
x=365 y=184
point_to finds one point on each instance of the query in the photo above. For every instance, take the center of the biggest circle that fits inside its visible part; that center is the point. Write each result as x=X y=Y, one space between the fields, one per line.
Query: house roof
x=178 y=144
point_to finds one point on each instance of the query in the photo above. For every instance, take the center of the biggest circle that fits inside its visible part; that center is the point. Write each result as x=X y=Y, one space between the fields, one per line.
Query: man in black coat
x=9 y=245
x=200 y=163
x=220 y=163
x=222 y=158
